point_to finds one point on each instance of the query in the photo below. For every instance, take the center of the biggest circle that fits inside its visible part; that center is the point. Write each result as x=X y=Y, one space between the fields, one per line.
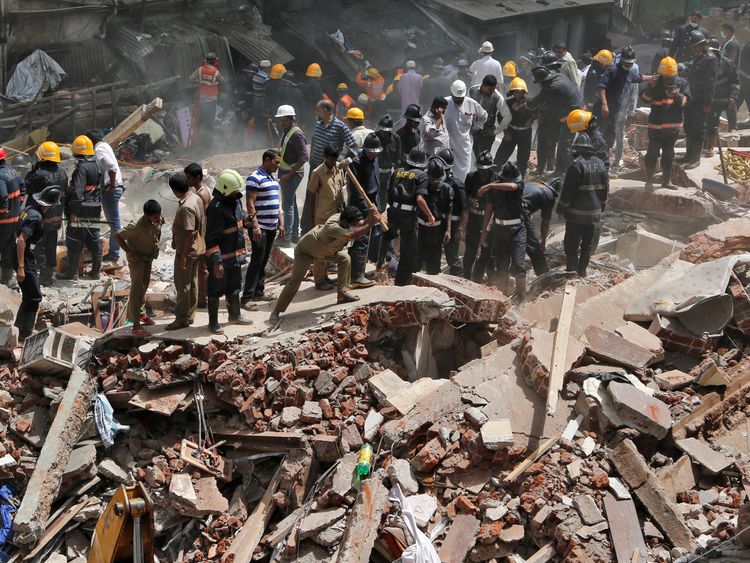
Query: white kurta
x=460 y=121
x=484 y=66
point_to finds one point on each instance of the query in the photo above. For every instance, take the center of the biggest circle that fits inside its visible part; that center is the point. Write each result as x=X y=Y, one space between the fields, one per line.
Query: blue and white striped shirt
x=267 y=200
x=336 y=133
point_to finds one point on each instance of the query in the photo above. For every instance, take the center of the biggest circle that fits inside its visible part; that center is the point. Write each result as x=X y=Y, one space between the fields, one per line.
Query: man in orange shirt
x=208 y=78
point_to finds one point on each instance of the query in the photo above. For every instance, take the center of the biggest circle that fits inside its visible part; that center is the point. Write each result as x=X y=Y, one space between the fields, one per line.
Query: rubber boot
x=235 y=311
x=71 y=272
x=213 y=316
x=502 y=282
x=6 y=274
x=359 y=262
x=685 y=158
x=695 y=156
x=46 y=276
x=25 y=321
x=649 y=178
x=666 y=179
x=520 y=288
x=96 y=267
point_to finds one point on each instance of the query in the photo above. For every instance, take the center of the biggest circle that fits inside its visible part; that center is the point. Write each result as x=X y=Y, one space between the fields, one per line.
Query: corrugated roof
x=489 y=10
x=88 y=61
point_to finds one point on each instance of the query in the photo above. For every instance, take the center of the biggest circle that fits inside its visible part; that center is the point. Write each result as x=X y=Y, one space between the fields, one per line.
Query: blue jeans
x=111 y=208
x=289 y=206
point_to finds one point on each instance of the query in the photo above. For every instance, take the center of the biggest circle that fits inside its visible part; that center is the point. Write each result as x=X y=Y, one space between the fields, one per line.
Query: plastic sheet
x=36 y=72
x=422 y=551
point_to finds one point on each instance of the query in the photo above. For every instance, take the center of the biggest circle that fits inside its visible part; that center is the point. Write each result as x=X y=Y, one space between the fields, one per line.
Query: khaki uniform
x=205 y=194
x=190 y=221
x=143 y=239
x=323 y=243
x=328 y=187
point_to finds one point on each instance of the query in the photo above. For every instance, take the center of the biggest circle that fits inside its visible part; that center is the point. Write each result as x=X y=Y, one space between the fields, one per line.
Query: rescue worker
x=557 y=98
x=294 y=155
x=410 y=86
x=730 y=47
x=539 y=197
x=475 y=204
x=485 y=65
x=510 y=71
x=390 y=158
x=10 y=210
x=434 y=227
x=463 y=117
x=568 y=65
x=344 y=101
x=373 y=83
x=312 y=93
x=326 y=242
x=194 y=174
x=583 y=197
x=457 y=216
x=366 y=169
x=406 y=195
x=517 y=135
x=47 y=172
x=30 y=230
x=702 y=74
x=725 y=98
x=432 y=128
x=681 y=49
x=355 y=120
x=498 y=113
x=667 y=97
x=257 y=122
x=272 y=96
x=582 y=121
x=22 y=164
x=504 y=229
x=83 y=204
x=225 y=249
x=409 y=134
x=666 y=43
x=208 y=78
x=140 y=242
x=602 y=60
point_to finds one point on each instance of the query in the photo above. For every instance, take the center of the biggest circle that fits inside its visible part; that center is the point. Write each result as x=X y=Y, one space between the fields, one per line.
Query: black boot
x=96 y=267
x=359 y=262
x=666 y=178
x=694 y=156
x=649 y=178
x=71 y=272
x=521 y=287
x=25 y=321
x=46 y=276
x=685 y=158
x=235 y=311
x=6 y=274
x=213 y=316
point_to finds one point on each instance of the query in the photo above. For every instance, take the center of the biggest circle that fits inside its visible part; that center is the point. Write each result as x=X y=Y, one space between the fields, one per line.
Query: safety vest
x=343 y=104
x=208 y=81
x=282 y=149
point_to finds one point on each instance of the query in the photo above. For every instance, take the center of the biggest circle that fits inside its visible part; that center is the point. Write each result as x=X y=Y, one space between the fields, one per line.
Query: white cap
x=487 y=47
x=458 y=89
x=285 y=111
x=363 y=100
x=264 y=63
x=411 y=64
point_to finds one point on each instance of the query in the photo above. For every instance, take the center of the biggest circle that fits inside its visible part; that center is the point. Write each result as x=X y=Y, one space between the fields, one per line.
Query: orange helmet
x=313 y=71
x=277 y=71
x=509 y=69
x=604 y=57
x=518 y=83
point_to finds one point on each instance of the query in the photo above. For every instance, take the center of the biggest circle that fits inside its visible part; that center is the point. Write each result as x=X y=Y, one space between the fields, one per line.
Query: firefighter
x=539 y=197
x=47 y=172
x=30 y=230
x=407 y=191
x=602 y=60
x=208 y=78
x=313 y=93
x=583 y=197
x=667 y=97
x=83 y=204
x=683 y=41
x=475 y=205
x=702 y=74
x=434 y=230
x=457 y=217
x=10 y=209
x=666 y=43
x=225 y=249
x=410 y=134
x=510 y=71
x=581 y=121
x=390 y=158
x=504 y=228
x=725 y=97
x=344 y=101
x=517 y=136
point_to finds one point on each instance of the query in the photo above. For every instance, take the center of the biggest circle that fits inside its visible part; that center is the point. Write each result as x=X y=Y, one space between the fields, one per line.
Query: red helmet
x=3 y=154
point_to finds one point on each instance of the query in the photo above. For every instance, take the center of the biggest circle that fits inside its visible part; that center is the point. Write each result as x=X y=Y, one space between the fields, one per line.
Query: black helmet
x=714 y=45
x=413 y=113
x=435 y=170
x=554 y=185
x=21 y=162
x=696 y=38
x=485 y=161
x=627 y=55
x=385 y=123
x=48 y=196
x=373 y=144
x=582 y=143
x=541 y=74
x=446 y=155
x=551 y=61
x=417 y=158
x=211 y=57
x=511 y=172
x=666 y=36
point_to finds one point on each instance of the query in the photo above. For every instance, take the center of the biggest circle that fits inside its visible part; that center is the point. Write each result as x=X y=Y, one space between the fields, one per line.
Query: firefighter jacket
x=225 y=237
x=10 y=197
x=666 y=112
x=584 y=191
x=42 y=175
x=84 y=196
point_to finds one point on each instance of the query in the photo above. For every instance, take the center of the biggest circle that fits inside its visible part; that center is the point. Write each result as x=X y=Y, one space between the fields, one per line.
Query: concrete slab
x=645 y=249
x=613 y=348
x=641 y=336
x=703 y=454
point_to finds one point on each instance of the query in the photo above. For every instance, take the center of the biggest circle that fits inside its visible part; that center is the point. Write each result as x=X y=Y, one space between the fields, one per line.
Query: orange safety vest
x=208 y=81
x=373 y=87
x=344 y=103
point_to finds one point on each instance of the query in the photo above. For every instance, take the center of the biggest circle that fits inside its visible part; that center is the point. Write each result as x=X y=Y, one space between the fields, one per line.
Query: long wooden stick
x=560 y=348
x=361 y=190
x=533 y=456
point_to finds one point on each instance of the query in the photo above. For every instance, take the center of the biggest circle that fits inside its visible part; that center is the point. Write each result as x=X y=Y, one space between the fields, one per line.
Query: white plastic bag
x=422 y=551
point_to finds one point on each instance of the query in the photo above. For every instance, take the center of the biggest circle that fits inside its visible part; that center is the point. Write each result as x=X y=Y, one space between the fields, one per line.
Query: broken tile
x=497 y=434
x=672 y=380
x=401 y=473
x=702 y=454
x=640 y=411
x=589 y=512
x=318 y=521
x=612 y=347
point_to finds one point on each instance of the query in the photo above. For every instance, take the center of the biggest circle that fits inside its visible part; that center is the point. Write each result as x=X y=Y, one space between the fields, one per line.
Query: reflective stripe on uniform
x=231 y=230
x=476 y=211
x=507 y=222
x=91 y=188
x=426 y=224
x=455 y=217
x=590 y=188
x=238 y=252
x=404 y=206
x=9 y=220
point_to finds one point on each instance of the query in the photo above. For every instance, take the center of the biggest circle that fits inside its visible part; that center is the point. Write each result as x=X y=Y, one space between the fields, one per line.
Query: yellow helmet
x=341 y=87
x=277 y=71
x=604 y=57
x=229 y=182
x=313 y=71
x=355 y=113
x=83 y=146
x=48 y=151
x=518 y=83
x=668 y=67
x=509 y=69
x=578 y=120
x=372 y=72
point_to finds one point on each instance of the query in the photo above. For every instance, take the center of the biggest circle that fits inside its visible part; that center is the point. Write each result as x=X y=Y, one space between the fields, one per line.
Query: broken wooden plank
x=248 y=440
x=625 y=529
x=132 y=122
x=697 y=416
x=362 y=527
x=560 y=348
x=533 y=456
x=247 y=539
x=31 y=518
x=543 y=554
x=459 y=539
x=57 y=526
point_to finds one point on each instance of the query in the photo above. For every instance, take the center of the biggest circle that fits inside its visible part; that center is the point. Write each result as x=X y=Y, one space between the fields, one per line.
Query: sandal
x=346 y=297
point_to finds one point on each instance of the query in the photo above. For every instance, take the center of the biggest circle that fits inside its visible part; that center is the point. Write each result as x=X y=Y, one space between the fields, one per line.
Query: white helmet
x=458 y=89
x=487 y=47
x=285 y=111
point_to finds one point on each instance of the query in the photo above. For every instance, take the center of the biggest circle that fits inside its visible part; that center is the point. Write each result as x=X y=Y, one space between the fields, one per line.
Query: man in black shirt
x=434 y=230
x=457 y=218
x=539 y=197
x=409 y=134
x=518 y=133
x=390 y=158
x=475 y=204
x=681 y=46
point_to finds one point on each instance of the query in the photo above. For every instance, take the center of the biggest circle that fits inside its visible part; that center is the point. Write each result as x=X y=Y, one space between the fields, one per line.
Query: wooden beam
x=533 y=456
x=132 y=122
x=560 y=348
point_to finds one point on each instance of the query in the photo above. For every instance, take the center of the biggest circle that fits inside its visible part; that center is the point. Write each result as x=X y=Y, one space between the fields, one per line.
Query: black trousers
x=227 y=285
x=577 y=244
x=7 y=245
x=564 y=154
x=451 y=251
x=482 y=143
x=45 y=251
x=661 y=142
x=430 y=251
x=31 y=293
x=78 y=238
x=534 y=249
x=402 y=224
x=255 y=278
x=714 y=118
x=695 y=124
x=520 y=138
x=547 y=135
x=509 y=248
x=362 y=244
x=471 y=243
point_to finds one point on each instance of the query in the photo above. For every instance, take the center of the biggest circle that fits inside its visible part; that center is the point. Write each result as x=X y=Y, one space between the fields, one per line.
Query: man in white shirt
x=487 y=65
x=410 y=86
x=434 y=133
x=568 y=67
x=463 y=117
x=112 y=190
